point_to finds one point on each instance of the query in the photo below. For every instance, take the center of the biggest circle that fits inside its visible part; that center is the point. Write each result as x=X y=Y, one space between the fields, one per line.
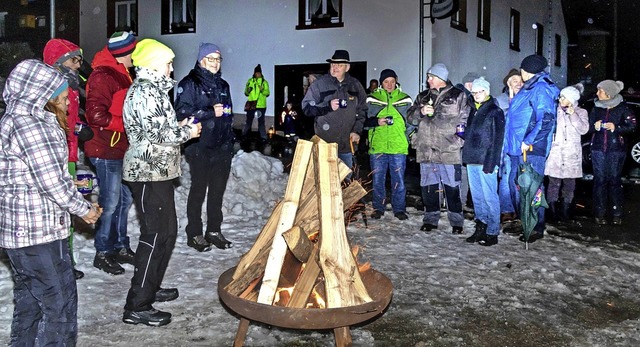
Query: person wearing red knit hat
x=67 y=58
x=106 y=90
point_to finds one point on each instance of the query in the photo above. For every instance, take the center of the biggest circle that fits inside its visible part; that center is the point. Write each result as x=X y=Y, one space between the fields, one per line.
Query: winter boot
x=488 y=240
x=217 y=239
x=481 y=231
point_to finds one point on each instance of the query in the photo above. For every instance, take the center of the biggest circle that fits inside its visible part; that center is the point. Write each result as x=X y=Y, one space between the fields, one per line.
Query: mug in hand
x=342 y=103
x=389 y=120
x=226 y=110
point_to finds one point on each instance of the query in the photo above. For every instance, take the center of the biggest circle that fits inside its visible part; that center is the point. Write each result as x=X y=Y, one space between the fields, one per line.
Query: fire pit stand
x=339 y=319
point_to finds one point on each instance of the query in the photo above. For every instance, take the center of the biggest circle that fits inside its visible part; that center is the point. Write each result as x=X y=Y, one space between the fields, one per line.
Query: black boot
x=481 y=231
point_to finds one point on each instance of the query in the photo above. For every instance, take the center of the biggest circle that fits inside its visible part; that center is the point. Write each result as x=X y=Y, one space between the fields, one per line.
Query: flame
x=283 y=294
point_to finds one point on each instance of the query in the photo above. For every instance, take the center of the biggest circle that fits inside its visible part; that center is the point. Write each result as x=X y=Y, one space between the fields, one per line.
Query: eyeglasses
x=213 y=60
x=77 y=60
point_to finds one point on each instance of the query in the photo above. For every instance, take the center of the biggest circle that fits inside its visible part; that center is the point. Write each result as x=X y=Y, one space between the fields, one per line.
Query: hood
x=59 y=48
x=29 y=87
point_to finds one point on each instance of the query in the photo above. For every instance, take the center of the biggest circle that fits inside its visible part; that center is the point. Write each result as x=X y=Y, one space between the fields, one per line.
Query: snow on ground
x=446 y=292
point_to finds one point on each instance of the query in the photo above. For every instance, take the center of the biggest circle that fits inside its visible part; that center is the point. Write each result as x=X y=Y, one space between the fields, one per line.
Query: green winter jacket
x=388 y=139
x=257 y=89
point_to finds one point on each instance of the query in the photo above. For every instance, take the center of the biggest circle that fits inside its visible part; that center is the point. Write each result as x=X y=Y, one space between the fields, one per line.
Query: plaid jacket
x=36 y=191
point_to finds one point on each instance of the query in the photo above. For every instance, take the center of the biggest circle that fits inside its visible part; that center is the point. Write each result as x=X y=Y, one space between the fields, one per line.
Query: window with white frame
x=178 y=16
x=122 y=15
x=514 y=30
x=459 y=19
x=319 y=14
x=484 y=19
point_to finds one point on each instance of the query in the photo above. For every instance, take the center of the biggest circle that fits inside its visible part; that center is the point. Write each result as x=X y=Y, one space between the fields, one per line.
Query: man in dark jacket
x=106 y=90
x=437 y=112
x=205 y=95
x=338 y=103
x=530 y=125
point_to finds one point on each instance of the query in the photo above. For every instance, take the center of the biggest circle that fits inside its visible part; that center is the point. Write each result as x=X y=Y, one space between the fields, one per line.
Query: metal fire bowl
x=378 y=285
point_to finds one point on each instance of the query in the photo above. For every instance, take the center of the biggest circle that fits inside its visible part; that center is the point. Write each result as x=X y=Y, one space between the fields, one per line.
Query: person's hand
x=609 y=126
x=353 y=137
x=335 y=104
x=524 y=147
x=570 y=110
x=382 y=121
x=597 y=125
x=218 y=110
x=427 y=110
x=94 y=213
x=195 y=129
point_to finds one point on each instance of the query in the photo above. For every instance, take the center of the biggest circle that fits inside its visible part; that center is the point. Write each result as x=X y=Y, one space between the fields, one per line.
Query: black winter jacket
x=483 y=136
x=196 y=95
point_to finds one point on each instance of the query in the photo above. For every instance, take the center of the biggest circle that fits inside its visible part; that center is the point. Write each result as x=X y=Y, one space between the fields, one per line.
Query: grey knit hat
x=439 y=70
x=611 y=87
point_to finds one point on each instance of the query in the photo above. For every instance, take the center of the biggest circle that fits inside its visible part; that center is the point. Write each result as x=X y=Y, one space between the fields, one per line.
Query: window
x=313 y=14
x=558 y=56
x=122 y=15
x=484 y=19
x=459 y=19
x=178 y=16
x=539 y=38
x=514 y=31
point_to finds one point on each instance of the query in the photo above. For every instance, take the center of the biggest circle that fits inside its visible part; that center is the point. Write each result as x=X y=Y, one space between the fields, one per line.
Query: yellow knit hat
x=150 y=53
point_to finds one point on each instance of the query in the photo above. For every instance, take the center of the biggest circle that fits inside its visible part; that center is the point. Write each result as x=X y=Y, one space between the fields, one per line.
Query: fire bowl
x=378 y=285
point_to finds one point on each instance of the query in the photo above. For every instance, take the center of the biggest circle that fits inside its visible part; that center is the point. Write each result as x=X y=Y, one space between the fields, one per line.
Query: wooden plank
x=343 y=337
x=344 y=286
x=289 y=208
x=306 y=281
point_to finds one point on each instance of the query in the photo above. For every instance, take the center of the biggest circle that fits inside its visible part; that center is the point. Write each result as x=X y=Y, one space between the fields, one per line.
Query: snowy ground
x=561 y=292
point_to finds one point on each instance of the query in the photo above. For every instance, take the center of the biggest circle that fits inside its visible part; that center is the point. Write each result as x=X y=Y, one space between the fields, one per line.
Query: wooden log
x=241 y=333
x=287 y=217
x=298 y=243
x=344 y=286
x=343 y=337
x=306 y=281
x=264 y=240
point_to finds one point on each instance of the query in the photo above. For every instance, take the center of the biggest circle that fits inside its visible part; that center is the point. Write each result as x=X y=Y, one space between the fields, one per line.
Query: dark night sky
x=582 y=14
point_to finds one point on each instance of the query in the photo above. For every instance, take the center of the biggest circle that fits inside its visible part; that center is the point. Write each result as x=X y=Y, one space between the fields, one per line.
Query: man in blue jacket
x=530 y=125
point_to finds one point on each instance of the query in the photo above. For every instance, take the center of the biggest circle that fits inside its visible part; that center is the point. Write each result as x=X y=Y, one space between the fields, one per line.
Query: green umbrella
x=531 y=197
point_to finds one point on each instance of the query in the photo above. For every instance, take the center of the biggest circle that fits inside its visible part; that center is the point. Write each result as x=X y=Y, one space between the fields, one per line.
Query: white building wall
x=465 y=52
x=250 y=32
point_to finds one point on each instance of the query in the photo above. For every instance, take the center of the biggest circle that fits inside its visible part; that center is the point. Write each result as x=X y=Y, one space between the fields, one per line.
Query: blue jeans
x=537 y=163
x=504 y=193
x=607 y=182
x=115 y=200
x=396 y=165
x=485 y=197
x=45 y=296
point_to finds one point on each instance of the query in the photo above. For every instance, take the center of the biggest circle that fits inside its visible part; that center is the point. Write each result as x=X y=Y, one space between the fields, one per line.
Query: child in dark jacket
x=288 y=119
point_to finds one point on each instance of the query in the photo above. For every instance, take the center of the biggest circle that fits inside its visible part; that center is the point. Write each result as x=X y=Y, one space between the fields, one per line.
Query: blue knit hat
x=206 y=49
x=60 y=89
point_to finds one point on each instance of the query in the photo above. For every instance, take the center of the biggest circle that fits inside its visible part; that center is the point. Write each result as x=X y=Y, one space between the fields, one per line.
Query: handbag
x=250 y=105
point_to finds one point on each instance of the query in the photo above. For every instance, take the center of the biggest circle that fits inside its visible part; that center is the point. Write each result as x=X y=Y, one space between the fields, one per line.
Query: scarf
x=611 y=103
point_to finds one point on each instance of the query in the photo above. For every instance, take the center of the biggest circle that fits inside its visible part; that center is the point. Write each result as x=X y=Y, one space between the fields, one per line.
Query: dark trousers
x=607 y=182
x=261 y=127
x=209 y=174
x=158 y=230
x=45 y=296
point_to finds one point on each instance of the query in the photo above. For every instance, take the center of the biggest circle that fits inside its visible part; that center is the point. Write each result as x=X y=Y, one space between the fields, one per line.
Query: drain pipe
x=52 y=18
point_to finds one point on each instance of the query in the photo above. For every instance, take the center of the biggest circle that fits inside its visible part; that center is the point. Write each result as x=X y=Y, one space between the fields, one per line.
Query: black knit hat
x=386 y=73
x=258 y=68
x=534 y=64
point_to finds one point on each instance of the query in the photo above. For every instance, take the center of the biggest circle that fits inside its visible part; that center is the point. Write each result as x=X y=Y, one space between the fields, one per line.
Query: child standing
x=288 y=119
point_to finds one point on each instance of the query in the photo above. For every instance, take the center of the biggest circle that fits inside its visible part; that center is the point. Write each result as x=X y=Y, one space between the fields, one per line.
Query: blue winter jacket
x=196 y=95
x=532 y=117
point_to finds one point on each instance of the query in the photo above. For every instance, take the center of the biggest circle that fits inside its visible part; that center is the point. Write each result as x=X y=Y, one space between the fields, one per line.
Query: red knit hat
x=57 y=51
